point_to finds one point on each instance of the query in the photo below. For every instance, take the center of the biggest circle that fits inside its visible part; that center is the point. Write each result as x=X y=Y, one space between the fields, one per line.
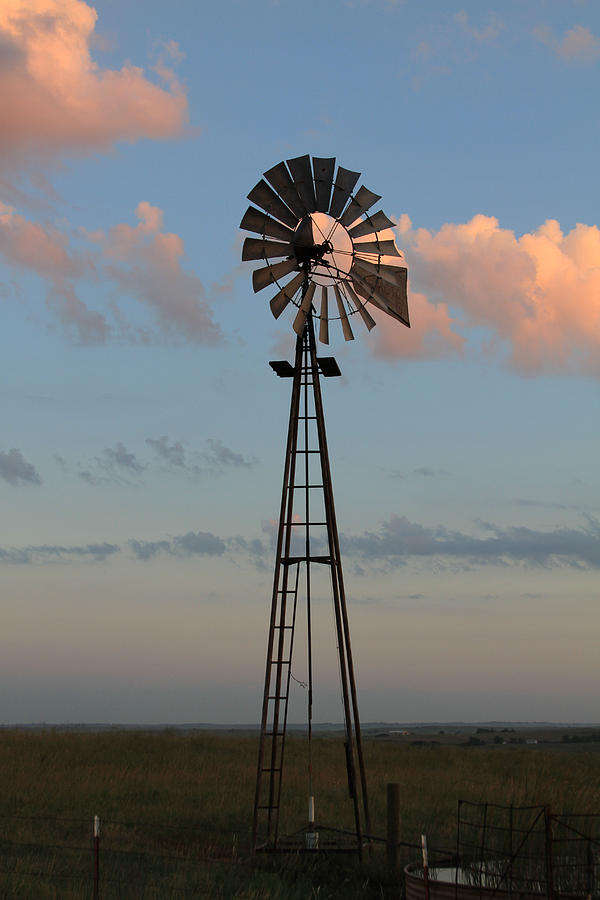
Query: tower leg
x=277 y=673
x=306 y=404
x=350 y=699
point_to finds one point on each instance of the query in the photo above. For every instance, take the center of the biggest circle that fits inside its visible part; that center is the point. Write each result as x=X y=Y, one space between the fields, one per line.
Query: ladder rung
x=295 y=524
x=274 y=806
x=282 y=626
x=284 y=662
x=274 y=733
x=292 y=560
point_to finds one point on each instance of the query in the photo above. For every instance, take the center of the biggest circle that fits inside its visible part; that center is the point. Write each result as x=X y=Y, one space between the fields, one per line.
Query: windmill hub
x=324 y=247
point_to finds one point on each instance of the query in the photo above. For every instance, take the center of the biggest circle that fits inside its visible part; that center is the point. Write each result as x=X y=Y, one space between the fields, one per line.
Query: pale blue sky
x=143 y=433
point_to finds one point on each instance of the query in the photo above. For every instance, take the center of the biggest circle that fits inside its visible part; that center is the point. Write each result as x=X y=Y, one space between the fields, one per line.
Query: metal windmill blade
x=363 y=201
x=386 y=289
x=305 y=307
x=260 y=223
x=377 y=222
x=281 y=180
x=265 y=197
x=324 y=316
x=255 y=248
x=302 y=176
x=323 y=170
x=346 y=328
x=342 y=191
x=377 y=248
x=315 y=230
x=368 y=320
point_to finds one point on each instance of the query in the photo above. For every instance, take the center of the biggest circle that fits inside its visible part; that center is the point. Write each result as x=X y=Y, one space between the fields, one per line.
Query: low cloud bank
x=394 y=543
x=15 y=469
x=398 y=540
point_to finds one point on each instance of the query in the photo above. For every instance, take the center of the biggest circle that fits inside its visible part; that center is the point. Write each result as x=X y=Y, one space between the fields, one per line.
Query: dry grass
x=198 y=790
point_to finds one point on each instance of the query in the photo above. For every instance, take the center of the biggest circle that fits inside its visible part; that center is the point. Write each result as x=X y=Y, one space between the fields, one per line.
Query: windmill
x=321 y=247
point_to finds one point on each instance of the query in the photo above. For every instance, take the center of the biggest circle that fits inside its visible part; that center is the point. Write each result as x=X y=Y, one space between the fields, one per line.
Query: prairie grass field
x=176 y=809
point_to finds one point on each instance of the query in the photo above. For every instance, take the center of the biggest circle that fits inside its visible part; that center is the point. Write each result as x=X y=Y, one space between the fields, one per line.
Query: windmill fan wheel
x=315 y=229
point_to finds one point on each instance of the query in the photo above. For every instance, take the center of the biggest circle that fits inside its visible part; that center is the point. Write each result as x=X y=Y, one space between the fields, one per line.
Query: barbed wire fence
x=500 y=850
x=109 y=857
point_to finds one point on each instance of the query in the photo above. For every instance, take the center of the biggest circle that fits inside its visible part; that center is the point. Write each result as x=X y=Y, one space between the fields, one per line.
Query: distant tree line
x=494 y=730
x=587 y=738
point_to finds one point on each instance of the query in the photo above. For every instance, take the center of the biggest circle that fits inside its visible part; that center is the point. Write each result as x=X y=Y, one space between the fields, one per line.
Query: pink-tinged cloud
x=142 y=262
x=55 y=98
x=429 y=337
x=44 y=250
x=537 y=295
x=146 y=263
x=579 y=44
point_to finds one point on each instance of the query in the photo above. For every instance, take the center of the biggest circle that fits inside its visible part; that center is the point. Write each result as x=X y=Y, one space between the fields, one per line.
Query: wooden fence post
x=425 y=865
x=96 y=858
x=549 y=854
x=393 y=826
